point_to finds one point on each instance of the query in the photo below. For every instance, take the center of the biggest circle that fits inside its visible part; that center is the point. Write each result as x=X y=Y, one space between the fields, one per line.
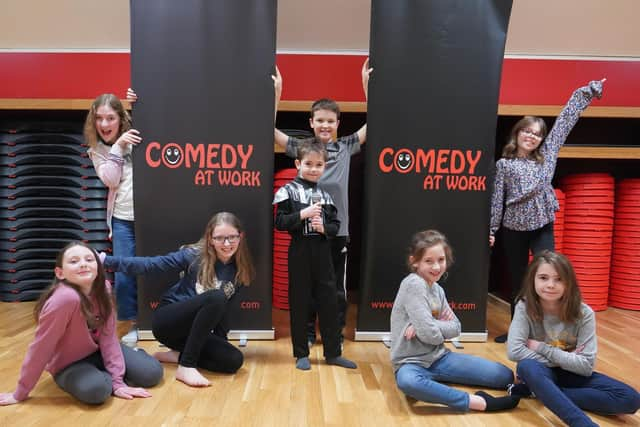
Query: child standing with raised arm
x=523 y=200
x=553 y=338
x=421 y=320
x=307 y=212
x=324 y=120
x=108 y=132
x=76 y=341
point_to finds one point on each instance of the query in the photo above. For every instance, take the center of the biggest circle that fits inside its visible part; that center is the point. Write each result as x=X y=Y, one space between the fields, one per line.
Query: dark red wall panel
x=311 y=76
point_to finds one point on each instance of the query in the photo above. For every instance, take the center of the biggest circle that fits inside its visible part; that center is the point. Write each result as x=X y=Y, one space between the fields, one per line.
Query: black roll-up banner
x=202 y=72
x=432 y=110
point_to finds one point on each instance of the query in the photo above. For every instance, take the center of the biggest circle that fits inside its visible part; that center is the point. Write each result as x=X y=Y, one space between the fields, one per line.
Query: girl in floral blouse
x=523 y=200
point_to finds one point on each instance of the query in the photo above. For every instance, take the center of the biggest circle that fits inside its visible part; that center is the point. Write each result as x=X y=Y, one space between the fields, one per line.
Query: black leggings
x=516 y=248
x=186 y=327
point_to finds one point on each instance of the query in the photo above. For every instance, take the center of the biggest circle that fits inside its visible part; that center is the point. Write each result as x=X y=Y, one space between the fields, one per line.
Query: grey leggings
x=88 y=380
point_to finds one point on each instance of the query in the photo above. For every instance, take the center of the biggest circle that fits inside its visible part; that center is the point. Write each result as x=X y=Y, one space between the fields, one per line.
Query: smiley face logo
x=403 y=160
x=172 y=155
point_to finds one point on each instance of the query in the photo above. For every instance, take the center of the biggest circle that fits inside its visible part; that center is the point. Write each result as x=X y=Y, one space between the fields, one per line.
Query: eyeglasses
x=531 y=133
x=232 y=238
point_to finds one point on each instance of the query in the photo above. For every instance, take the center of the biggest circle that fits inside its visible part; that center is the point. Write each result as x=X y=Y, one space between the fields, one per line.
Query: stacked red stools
x=624 y=291
x=281 y=240
x=588 y=231
x=558 y=225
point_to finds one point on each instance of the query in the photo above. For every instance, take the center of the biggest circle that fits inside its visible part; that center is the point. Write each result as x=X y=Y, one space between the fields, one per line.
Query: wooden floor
x=269 y=391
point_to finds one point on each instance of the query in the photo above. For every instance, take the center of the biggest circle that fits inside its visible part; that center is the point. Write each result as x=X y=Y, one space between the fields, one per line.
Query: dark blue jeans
x=566 y=393
x=126 y=288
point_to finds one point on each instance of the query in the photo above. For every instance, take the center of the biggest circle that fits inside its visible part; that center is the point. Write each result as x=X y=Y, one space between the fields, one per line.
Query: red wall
x=308 y=77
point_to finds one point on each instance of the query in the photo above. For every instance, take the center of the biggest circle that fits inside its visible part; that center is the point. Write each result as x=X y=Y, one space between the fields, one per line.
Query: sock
x=341 y=361
x=303 y=363
x=519 y=389
x=501 y=338
x=498 y=403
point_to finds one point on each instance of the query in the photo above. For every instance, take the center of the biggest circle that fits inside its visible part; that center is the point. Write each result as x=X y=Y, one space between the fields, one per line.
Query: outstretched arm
x=578 y=102
x=279 y=137
x=366 y=71
x=174 y=262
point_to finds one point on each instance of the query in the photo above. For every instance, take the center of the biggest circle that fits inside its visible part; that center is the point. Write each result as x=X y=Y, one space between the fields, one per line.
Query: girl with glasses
x=192 y=316
x=523 y=200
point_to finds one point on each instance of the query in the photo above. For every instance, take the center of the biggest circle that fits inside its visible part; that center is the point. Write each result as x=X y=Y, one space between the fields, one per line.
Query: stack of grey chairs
x=49 y=195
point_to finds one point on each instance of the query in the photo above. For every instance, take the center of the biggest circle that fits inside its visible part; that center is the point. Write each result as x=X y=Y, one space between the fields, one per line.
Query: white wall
x=537 y=27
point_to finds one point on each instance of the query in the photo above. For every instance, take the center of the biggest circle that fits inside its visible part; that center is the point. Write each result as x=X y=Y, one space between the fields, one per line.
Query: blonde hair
x=90 y=132
x=208 y=257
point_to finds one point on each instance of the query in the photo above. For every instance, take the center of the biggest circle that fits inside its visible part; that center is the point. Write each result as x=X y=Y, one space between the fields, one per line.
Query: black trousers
x=186 y=326
x=339 y=259
x=311 y=276
x=516 y=245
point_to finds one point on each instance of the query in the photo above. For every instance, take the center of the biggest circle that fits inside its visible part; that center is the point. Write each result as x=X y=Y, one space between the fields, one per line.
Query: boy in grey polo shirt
x=324 y=120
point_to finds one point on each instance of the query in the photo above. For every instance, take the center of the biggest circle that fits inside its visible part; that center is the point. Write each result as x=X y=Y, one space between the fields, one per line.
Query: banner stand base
x=267 y=334
x=386 y=336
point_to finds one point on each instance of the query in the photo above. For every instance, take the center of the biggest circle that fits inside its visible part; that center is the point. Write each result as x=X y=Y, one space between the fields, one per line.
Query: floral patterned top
x=523 y=198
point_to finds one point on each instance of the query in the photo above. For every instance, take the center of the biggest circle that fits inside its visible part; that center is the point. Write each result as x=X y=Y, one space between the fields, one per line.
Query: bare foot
x=170 y=356
x=191 y=376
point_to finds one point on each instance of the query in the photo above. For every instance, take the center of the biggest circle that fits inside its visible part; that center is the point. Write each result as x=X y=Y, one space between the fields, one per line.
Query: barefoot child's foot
x=191 y=376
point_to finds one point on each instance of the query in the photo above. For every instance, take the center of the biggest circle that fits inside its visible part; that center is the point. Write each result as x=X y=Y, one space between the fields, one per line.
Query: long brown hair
x=98 y=291
x=244 y=264
x=423 y=240
x=510 y=150
x=571 y=300
x=109 y=99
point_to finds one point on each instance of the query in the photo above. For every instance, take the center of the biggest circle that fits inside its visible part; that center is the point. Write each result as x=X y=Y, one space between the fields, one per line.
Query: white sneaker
x=131 y=338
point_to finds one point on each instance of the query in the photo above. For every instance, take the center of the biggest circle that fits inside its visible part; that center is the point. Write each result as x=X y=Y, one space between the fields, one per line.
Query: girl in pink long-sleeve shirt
x=76 y=341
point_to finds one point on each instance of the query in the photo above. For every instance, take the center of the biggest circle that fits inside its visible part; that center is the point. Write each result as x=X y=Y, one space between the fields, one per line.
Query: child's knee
x=527 y=367
x=406 y=381
x=93 y=392
x=504 y=376
x=632 y=403
x=236 y=361
x=151 y=375
x=215 y=298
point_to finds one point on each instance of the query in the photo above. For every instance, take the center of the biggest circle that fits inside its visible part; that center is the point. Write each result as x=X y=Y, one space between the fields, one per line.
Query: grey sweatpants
x=88 y=380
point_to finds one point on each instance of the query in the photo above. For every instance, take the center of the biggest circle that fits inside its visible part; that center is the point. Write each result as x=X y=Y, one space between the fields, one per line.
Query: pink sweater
x=108 y=163
x=62 y=337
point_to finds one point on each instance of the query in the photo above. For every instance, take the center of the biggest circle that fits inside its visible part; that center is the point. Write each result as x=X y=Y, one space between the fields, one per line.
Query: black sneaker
x=501 y=339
